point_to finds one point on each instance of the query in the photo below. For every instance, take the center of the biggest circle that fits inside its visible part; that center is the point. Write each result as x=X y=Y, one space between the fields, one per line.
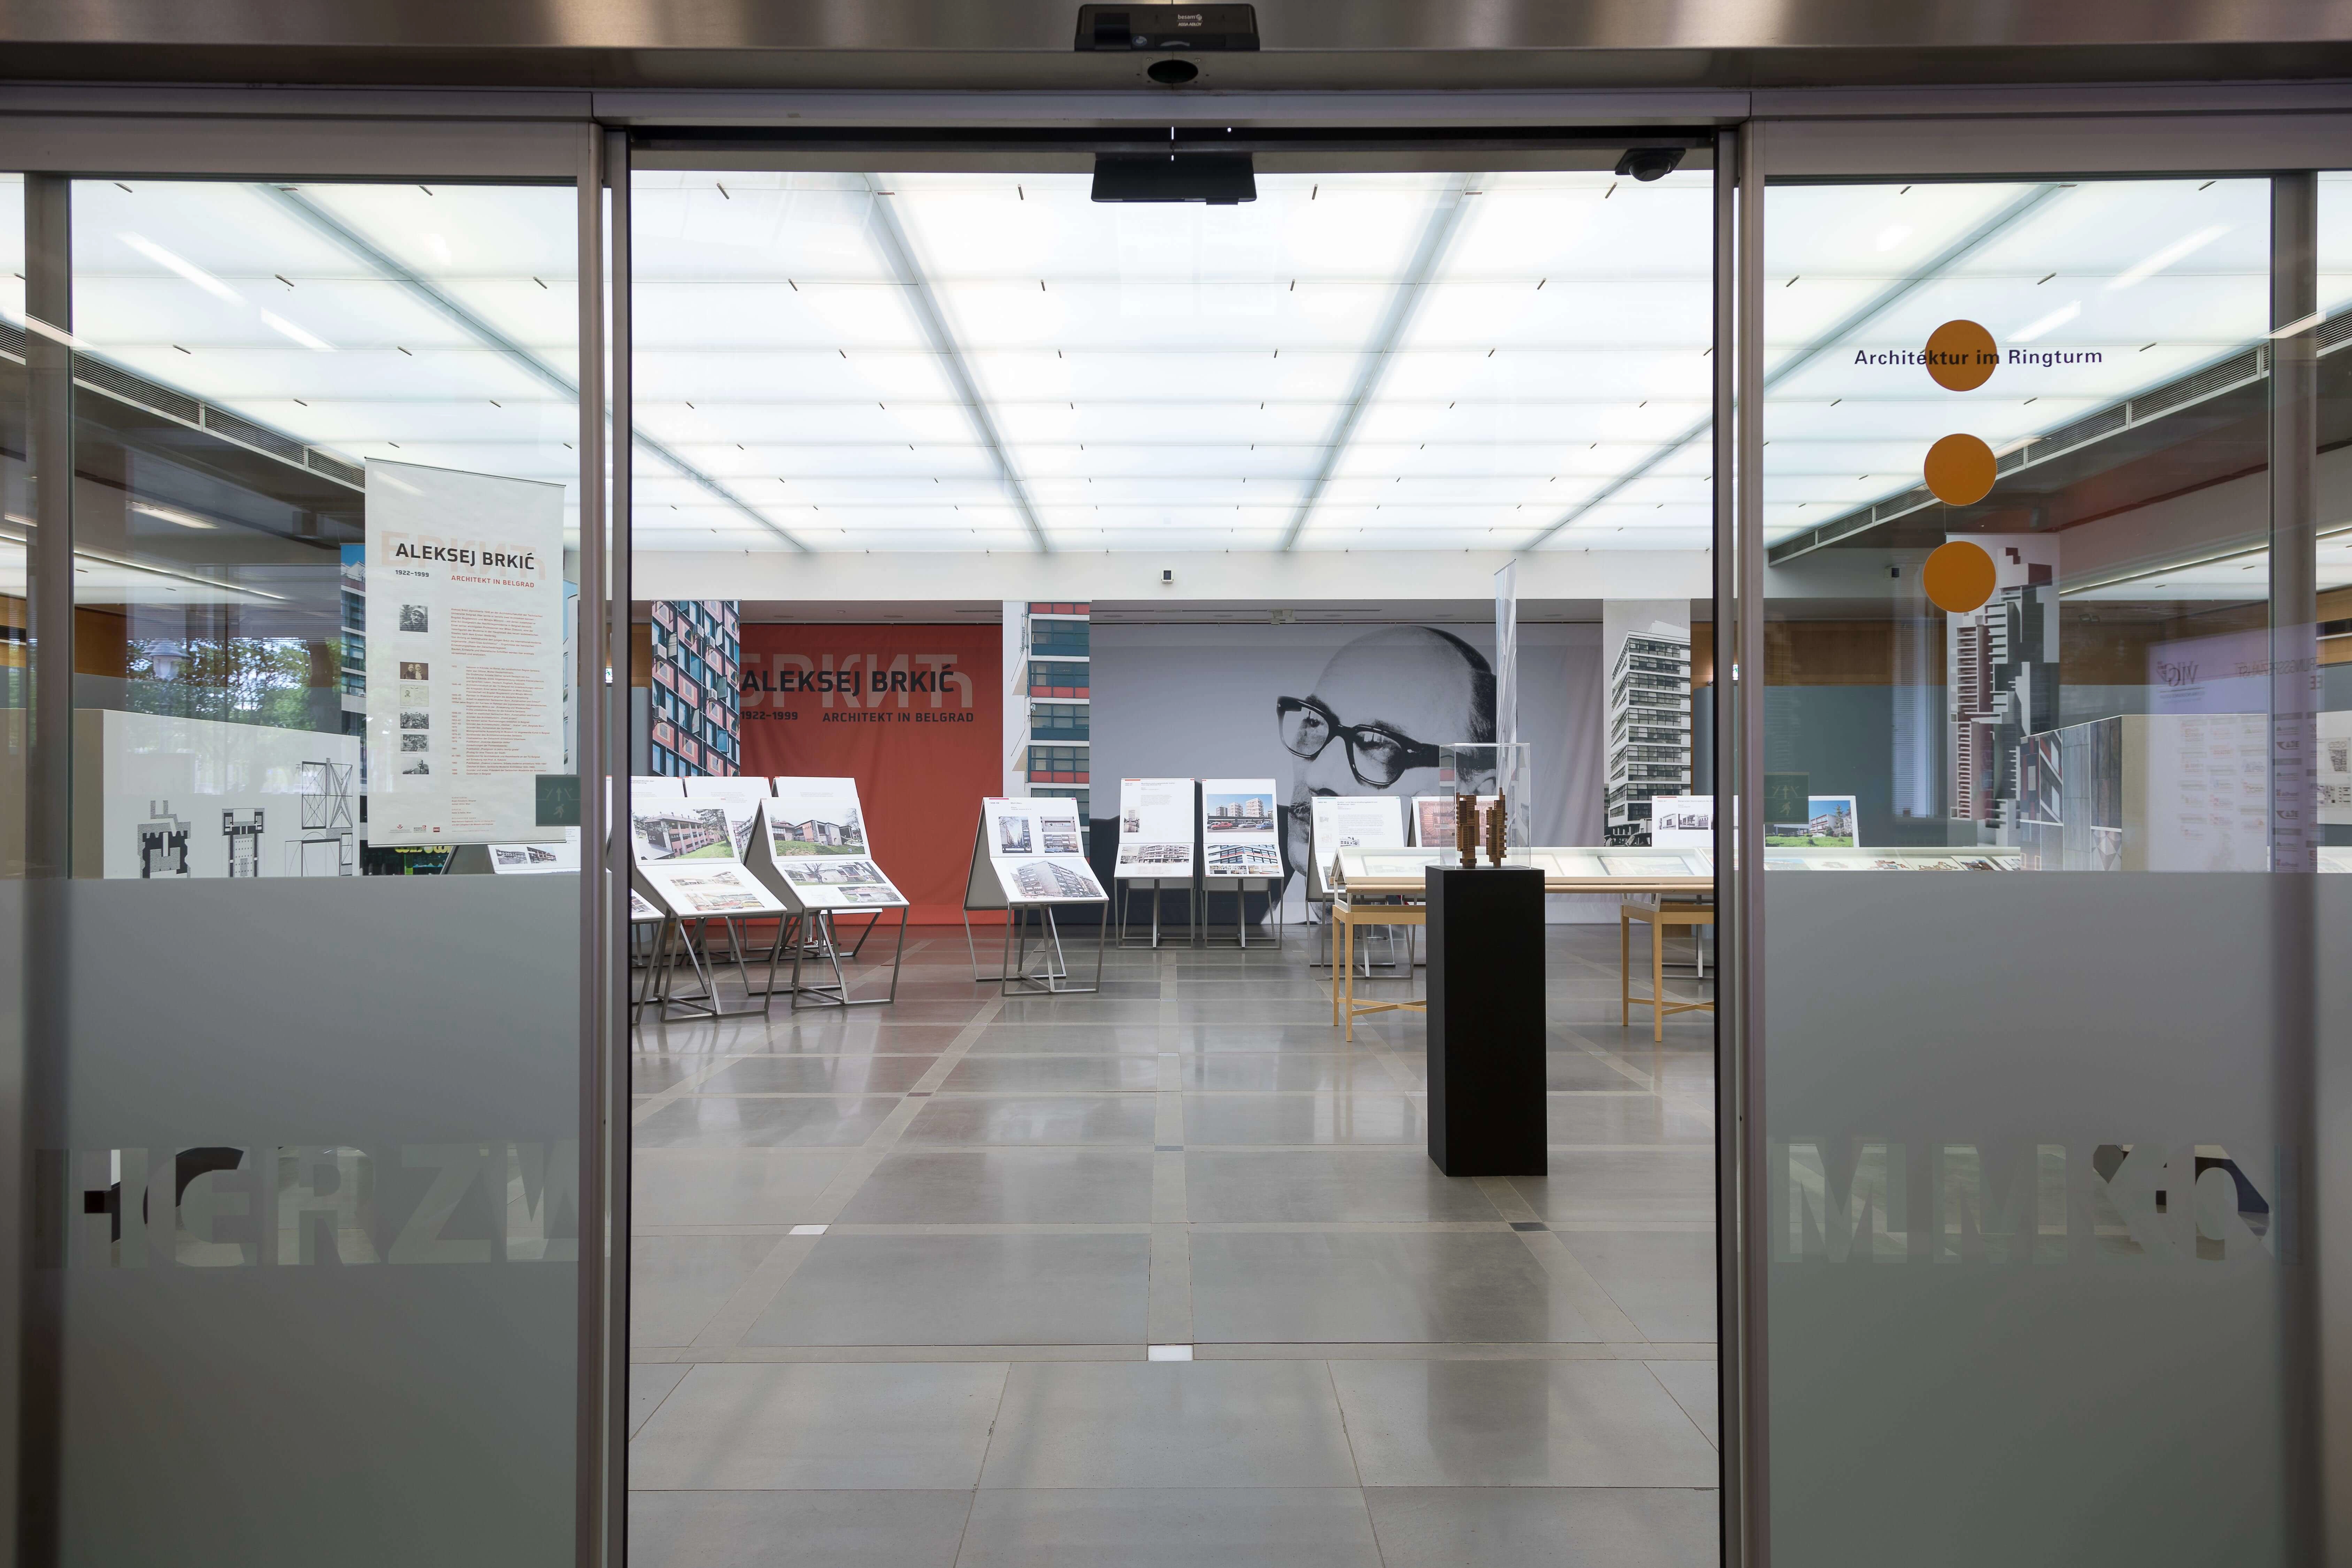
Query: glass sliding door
x=2041 y=935
x=306 y=1127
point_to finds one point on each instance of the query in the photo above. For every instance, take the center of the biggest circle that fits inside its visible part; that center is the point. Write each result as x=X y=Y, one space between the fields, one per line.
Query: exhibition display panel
x=1028 y=860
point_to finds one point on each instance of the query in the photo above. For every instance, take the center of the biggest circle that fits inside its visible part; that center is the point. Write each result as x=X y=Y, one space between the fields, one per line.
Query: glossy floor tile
x=1006 y=1186
x=1034 y=1119
x=1171 y=1527
x=1518 y=1423
x=797 y=1529
x=730 y=1185
x=677 y=1282
x=1377 y=1288
x=727 y=1122
x=1052 y=1290
x=1004 y=1201
x=1530 y=1526
x=1243 y=1186
x=1192 y=1424
x=820 y=1425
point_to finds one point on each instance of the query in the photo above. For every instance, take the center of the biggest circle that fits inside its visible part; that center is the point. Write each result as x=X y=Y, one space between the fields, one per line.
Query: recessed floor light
x=808 y=1230
x=1168 y=1353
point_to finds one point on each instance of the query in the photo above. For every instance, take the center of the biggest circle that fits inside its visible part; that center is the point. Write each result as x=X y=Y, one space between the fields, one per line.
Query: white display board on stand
x=1028 y=859
x=739 y=798
x=664 y=825
x=804 y=854
x=1337 y=821
x=1241 y=833
x=1029 y=852
x=708 y=889
x=1156 y=829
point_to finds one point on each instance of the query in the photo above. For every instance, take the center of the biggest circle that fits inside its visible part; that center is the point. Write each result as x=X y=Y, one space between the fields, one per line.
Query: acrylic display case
x=1487 y=770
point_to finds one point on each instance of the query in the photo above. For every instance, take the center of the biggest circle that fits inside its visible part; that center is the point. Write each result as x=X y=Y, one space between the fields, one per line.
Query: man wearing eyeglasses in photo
x=1375 y=718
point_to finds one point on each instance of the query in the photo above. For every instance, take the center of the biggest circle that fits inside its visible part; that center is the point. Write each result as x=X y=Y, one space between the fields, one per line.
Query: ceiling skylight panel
x=1570 y=314
x=1229 y=427
x=749 y=226
x=462 y=231
x=679 y=316
x=1570 y=225
x=1872 y=231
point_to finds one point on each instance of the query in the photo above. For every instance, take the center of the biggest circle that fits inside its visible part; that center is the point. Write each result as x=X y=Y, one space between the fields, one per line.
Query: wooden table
x=1660 y=916
x=1346 y=915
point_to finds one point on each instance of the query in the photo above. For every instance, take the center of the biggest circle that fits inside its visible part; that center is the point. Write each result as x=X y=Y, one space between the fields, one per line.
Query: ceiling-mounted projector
x=1220 y=179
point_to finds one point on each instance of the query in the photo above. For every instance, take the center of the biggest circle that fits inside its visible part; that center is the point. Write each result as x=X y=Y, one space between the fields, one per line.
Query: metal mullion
x=36 y=1346
x=1730 y=944
x=614 y=990
x=590 y=1478
x=2294 y=840
x=1746 y=836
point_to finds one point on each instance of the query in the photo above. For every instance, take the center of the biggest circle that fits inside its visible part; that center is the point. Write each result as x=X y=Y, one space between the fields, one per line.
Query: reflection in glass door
x=2037 y=842
x=314 y=1202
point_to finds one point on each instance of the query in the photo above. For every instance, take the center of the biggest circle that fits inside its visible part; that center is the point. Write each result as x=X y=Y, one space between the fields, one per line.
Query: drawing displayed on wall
x=243 y=831
x=142 y=782
x=162 y=842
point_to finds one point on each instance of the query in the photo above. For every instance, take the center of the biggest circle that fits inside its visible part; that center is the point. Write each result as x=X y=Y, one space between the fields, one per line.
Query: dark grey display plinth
x=1486 y=1021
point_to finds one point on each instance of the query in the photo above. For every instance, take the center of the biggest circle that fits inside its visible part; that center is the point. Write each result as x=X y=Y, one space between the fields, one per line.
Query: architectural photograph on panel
x=849 y=788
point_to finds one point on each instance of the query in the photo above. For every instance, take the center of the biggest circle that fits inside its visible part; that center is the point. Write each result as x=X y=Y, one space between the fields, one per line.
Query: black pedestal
x=1486 y=1021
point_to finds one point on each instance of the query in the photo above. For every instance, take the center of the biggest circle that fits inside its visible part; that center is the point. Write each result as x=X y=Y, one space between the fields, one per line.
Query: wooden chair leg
x=1624 y=969
x=1336 y=930
x=1350 y=982
x=1657 y=982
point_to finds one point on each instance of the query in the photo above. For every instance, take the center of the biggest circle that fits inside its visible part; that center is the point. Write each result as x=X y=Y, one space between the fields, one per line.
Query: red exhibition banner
x=915 y=714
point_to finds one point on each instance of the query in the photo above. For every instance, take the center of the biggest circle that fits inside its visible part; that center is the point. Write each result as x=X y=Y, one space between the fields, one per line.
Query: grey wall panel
x=2109 y=1392
x=401 y=1389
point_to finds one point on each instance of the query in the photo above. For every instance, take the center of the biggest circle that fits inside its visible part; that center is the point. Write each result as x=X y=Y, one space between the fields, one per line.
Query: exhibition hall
x=1117 y=755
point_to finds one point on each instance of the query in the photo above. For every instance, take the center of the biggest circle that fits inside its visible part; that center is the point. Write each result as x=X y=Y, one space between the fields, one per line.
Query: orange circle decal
x=1961 y=356
x=1958 y=576
x=1960 y=470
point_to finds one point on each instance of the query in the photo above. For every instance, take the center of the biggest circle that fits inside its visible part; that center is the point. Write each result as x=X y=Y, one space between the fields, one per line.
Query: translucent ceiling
x=981 y=361
x=963 y=362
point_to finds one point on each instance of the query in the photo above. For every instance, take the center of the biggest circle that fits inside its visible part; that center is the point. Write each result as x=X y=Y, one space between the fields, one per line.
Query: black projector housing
x=1220 y=179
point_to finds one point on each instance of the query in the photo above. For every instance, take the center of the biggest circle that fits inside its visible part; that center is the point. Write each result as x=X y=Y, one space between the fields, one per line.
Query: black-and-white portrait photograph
x=415 y=669
x=1346 y=709
x=416 y=618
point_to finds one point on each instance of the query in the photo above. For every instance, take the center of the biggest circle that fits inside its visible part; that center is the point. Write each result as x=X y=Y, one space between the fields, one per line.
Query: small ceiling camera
x=1647 y=164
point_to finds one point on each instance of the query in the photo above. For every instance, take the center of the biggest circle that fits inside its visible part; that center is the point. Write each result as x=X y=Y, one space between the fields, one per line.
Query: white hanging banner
x=464 y=637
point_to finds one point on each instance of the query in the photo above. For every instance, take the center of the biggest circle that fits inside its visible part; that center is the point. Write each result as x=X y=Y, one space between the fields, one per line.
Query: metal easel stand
x=1273 y=889
x=1013 y=968
x=788 y=928
x=837 y=993
x=644 y=960
x=703 y=1004
x=1127 y=886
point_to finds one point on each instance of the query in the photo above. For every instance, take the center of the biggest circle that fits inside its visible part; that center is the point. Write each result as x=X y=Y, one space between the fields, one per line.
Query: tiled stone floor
x=1021 y=1195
